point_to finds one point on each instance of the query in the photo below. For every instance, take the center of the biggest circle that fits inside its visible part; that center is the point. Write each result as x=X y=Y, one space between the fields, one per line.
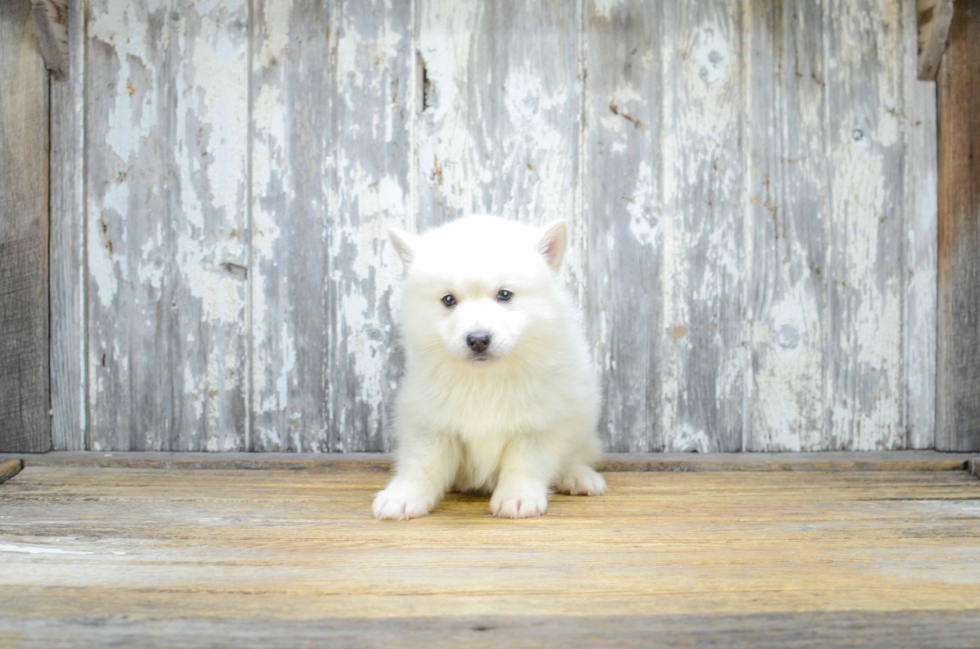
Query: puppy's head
x=480 y=290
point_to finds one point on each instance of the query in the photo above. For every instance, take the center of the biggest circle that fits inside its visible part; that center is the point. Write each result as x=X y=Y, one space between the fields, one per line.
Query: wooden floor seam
x=610 y=462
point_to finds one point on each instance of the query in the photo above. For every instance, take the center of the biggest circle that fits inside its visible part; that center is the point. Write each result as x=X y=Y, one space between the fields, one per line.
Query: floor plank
x=233 y=558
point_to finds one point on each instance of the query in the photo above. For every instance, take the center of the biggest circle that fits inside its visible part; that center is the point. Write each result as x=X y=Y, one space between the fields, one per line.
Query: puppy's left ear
x=405 y=244
x=552 y=243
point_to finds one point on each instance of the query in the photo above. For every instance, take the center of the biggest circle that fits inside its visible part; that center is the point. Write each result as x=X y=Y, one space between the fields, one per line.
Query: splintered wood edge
x=51 y=26
x=611 y=462
x=934 y=19
x=10 y=468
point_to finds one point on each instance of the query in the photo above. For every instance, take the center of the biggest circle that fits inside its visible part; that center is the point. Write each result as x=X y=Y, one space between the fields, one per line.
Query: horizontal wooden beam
x=934 y=19
x=610 y=462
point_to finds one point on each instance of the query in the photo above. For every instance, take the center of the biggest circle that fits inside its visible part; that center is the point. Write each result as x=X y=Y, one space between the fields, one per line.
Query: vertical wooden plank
x=921 y=200
x=500 y=89
x=328 y=78
x=787 y=205
x=68 y=374
x=25 y=425
x=958 y=370
x=866 y=395
x=374 y=92
x=130 y=315
x=292 y=163
x=209 y=223
x=703 y=196
x=622 y=198
x=166 y=92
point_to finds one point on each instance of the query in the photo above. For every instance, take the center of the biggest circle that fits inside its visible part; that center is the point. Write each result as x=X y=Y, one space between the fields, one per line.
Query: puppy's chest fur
x=479 y=462
x=482 y=414
x=496 y=405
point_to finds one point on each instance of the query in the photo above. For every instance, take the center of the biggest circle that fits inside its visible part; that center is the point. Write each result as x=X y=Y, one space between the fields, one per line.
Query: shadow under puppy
x=499 y=393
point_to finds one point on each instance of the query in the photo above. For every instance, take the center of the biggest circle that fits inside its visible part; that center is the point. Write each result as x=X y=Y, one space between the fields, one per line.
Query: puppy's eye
x=504 y=295
x=449 y=300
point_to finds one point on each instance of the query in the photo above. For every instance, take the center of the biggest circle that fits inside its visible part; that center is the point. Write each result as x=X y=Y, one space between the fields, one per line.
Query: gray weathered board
x=24 y=421
x=750 y=186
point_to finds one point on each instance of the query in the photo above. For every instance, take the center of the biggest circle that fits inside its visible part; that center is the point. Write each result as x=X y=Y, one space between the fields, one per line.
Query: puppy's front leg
x=526 y=470
x=424 y=468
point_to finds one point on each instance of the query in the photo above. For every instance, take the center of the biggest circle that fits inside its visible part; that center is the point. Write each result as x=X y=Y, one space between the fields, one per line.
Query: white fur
x=515 y=423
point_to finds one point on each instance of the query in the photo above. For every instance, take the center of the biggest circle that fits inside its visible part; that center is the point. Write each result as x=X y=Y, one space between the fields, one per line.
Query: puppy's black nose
x=478 y=341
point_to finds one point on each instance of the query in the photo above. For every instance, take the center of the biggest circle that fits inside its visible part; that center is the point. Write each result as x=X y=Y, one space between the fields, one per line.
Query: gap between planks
x=610 y=462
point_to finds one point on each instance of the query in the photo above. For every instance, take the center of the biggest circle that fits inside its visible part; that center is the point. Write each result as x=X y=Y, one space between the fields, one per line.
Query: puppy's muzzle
x=478 y=341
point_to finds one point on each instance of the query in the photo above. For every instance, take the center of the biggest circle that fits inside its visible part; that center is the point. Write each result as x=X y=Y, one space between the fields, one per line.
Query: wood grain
x=920 y=184
x=375 y=80
x=958 y=371
x=69 y=378
x=292 y=167
x=912 y=629
x=127 y=166
x=498 y=131
x=166 y=112
x=703 y=99
x=324 y=357
x=624 y=218
x=832 y=556
x=24 y=388
x=787 y=208
x=866 y=228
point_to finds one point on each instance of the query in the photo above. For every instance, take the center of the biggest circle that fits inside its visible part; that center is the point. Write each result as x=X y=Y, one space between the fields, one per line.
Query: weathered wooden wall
x=750 y=185
x=24 y=396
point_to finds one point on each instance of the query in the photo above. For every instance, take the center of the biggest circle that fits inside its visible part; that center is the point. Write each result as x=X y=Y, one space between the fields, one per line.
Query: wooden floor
x=152 y=557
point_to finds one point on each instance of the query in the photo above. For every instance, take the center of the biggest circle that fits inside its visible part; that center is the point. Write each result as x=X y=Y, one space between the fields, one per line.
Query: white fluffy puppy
x=499 y=393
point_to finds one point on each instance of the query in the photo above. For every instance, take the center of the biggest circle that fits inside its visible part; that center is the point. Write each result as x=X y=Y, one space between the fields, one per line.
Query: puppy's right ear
x=406 y=244
x=552 y=243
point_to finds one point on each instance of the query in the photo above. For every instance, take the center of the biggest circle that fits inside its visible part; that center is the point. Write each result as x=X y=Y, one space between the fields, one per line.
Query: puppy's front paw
x=510 y=504
x=582 y=480
x=400 y=502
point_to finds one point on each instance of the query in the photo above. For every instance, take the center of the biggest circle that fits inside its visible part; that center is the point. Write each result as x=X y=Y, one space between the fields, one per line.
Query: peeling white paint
x=788 y=385
x=643 y=210
x=119 y=28
x=686 y=439
x=220 y=59
x=605 y=8
x=271 y=46
x=220 y=293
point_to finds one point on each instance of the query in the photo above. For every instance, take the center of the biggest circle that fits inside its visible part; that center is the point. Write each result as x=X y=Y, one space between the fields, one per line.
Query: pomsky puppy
x=499 y=393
